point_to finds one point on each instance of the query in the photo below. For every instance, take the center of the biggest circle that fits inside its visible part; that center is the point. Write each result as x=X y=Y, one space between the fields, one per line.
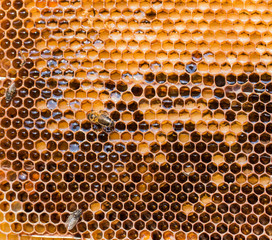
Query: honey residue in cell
x=253 y=179
x=80 y=115
x=241 y=159
x=69 y=94
x=52 y=125
x=195 y=115
x=161 y=115
x=167 y=126
x=2 y=175
x=41 y=104
x=62 y=124
x=63 y=105
x=217 y=178
x=124 y=177
x=241 y=178
x=40 y=228
x=160 y=137
x=28 y=186
x=184 y=137
x=40 y=145
x=10 y=217
x=219 y=115
x=172 y=115
x=69 y=114
x=188 y=168
x=145 y=235
x=230 y=137
x=184 y=114
x=207 y=115
x=201 y=126
x=218 y=158
x=205 y=198
x=98 y=105
x=95 y=207
x=5 y=227
x=149 y=136
x=86 y=105
x=114 y=136
x=187 y=208
x=224 y=126
x=241 y=117
x=149 y=115
x=81 y=94
x=236 y=127
x=127 y=96
x=138 y=136
x=126 y=116
x=180 y=236
x=192 y=236
x=160 y=158
x=142 y=168
x=141 y=187
x=147 y=178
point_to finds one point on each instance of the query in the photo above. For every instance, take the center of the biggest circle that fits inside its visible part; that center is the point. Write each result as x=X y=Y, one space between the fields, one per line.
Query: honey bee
x=100 y=117
x=10 y=93
x=73 y=219
x=22 y=56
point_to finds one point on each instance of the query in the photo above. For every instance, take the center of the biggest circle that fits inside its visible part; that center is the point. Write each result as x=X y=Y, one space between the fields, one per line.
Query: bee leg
x=97 y=127
x=23 y=63
x=107 y=129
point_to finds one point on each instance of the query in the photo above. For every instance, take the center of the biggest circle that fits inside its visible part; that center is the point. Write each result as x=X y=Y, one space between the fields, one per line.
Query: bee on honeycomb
x=10 y=93
x=23 y=57
x=100 y=117
x=73 y=219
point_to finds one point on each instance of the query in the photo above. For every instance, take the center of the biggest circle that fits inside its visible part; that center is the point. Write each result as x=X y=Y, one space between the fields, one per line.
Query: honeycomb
x=188 y=84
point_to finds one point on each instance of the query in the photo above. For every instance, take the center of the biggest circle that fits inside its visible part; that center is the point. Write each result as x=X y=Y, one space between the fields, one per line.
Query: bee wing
x=71 y=222
x=13 y=85
x=10 y=93
x=8 y=97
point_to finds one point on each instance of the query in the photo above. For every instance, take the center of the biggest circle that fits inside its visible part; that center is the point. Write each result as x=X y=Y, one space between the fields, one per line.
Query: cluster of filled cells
x=188 y=86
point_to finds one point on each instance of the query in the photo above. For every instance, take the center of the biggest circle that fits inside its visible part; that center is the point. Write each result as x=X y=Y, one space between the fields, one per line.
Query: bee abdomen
x=105 y=121
x=10 y=92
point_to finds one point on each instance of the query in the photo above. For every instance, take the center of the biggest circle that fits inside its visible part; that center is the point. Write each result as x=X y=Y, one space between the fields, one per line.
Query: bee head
x=78 y=212
x=92 y=115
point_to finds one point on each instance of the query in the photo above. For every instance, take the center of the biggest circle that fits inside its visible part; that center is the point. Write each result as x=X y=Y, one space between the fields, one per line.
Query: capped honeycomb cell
x=188 y=86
